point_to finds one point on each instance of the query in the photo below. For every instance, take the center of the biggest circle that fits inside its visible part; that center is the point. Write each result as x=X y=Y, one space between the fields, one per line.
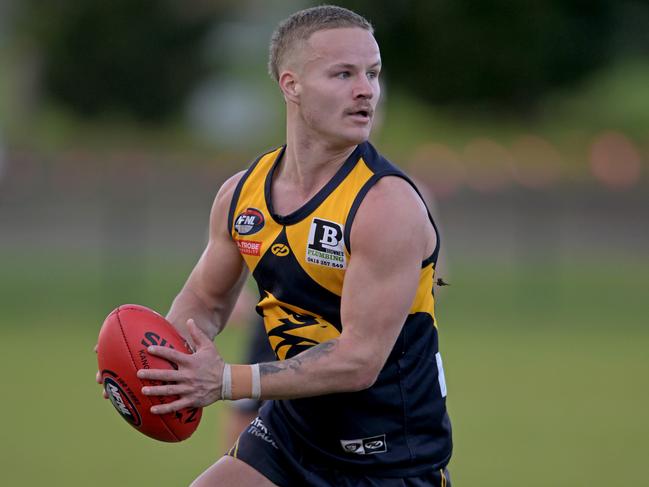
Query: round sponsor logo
x=280 y=250
x=249 y=222
x=121 y=402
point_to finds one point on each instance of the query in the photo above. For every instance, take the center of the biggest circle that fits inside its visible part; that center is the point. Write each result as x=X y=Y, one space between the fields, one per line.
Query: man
x=343 y=250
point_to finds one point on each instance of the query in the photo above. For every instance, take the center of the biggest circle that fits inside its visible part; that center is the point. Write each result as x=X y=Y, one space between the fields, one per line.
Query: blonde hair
x=302 y=24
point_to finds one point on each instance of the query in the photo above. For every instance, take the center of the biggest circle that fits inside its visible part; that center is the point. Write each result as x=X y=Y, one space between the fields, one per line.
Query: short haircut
x=302 y=24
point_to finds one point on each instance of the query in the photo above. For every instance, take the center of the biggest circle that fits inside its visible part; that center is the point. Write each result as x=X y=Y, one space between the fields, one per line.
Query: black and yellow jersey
x=399 y=425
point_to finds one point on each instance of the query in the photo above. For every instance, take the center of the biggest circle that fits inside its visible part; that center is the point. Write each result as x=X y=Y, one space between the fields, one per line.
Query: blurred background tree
x=137 y=57
x=501 y=53
x=144 y=58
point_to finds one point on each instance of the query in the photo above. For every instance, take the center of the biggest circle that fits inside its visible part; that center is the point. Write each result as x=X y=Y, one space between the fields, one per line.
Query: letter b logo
x=325 y=235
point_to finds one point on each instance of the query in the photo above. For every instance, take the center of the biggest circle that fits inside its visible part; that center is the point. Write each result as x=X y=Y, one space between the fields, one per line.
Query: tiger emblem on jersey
x=291 y=329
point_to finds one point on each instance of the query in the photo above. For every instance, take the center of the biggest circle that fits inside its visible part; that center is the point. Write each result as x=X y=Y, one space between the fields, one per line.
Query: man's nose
x=363 y=88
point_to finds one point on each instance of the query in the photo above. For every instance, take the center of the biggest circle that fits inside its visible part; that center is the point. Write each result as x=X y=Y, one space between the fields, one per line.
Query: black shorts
x=257 y=448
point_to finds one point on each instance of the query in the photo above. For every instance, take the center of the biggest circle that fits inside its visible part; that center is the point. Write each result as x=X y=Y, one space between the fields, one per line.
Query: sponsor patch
x=325 y=245
x=365 y=446
x=249 y=221
x=249 y=247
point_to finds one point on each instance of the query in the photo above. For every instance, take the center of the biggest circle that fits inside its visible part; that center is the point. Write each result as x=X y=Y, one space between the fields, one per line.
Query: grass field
x=547 y=376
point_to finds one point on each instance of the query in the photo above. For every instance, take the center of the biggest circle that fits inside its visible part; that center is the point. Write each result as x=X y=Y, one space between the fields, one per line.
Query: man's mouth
x=364 y=113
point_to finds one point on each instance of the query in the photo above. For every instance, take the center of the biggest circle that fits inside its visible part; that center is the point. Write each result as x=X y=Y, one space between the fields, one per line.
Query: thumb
x=199 y=338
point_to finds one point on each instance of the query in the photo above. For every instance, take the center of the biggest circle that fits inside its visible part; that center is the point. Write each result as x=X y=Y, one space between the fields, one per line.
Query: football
x=122 y=346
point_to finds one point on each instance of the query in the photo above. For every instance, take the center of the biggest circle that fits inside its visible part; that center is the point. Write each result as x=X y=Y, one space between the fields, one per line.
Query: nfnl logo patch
x=365 y=446
x=325 y=246
x=249 y=222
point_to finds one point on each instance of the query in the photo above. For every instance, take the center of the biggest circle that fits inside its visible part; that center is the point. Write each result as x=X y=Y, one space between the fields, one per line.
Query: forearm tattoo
x=296 y=363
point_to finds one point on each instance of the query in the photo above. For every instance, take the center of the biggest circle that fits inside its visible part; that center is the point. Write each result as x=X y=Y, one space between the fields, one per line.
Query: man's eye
x=372 y=74
x=343 y=75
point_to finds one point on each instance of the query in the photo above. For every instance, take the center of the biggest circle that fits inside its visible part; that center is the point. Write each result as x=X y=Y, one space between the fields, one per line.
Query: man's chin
x=346 y=139
x=356 y=137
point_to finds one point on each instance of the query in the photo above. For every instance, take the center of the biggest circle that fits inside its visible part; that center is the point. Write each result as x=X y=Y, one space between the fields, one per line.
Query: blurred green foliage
x=143 y=57
x=497 y=53
x=135 y=57
x=491 y=69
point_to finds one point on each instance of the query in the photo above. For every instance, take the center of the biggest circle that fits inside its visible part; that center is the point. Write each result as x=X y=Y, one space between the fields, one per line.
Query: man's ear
x=290 y=86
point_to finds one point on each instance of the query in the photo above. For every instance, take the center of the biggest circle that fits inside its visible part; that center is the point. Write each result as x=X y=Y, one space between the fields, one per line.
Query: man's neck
x=308 y=163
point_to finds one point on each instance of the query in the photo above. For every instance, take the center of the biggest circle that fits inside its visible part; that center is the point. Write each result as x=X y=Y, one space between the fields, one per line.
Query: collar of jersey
x=307 y=208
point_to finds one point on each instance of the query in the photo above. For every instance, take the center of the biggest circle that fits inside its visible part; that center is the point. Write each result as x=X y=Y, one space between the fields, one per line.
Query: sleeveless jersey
x=399 y=426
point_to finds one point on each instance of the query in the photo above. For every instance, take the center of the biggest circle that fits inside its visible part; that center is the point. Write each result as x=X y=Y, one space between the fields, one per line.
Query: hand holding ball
x=124 y=338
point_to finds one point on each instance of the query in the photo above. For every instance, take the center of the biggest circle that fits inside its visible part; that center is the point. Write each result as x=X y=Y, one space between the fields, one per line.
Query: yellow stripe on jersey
x=424 y=301
x=253 y=245
x=303 y=255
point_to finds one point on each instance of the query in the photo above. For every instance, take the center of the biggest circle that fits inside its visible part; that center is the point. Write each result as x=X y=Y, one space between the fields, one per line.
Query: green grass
x=547 y=380
x=547 y=375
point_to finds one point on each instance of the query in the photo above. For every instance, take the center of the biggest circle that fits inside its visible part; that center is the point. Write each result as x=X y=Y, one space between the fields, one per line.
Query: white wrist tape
x=226 y=385
x=256 y=382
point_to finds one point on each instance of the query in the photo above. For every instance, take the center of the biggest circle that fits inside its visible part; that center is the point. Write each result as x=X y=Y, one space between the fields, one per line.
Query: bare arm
x=199 y=312
x=390 y=237
x=379 y=288
x=212 y=288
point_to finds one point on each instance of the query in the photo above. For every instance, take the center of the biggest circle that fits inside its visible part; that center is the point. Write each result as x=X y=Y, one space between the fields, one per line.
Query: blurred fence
x=144 y=202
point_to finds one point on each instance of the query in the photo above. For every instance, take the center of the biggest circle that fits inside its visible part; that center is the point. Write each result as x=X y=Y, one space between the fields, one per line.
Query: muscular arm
x=390 y=237
x=212 y=288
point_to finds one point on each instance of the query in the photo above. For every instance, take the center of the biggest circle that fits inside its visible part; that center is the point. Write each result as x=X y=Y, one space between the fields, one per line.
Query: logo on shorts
x=249 y=222
x=258 y=429
x=121 y=402
x=365 y=446
x=325 y=246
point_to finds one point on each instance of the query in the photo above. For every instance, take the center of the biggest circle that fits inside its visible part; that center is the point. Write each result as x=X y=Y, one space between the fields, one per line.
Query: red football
x=122 y=351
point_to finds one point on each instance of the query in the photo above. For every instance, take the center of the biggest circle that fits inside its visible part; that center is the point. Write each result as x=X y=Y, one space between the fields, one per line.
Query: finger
x=99 y=381
x=172 y=406
x=159 y=374
x=200 y=339
x=169 y=354
x=166 y=390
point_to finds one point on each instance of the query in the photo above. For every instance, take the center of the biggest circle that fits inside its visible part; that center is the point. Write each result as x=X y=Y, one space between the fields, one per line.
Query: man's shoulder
x=230 y=184
x=393 y=193
x=377 y=162
x=390 y=183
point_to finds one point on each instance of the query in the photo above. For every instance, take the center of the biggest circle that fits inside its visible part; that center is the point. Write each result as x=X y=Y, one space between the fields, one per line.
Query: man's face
x=338 y=84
